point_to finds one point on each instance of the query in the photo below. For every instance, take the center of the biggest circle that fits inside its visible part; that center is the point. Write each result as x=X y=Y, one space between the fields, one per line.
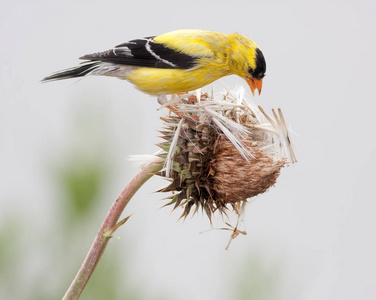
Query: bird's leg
x=162 y=98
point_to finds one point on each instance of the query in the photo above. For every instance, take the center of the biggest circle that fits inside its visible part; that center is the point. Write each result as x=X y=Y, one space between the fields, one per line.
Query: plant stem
x=109 y=225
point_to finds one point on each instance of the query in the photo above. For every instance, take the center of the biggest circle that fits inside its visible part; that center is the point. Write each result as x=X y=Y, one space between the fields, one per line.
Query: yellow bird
x=177 y=61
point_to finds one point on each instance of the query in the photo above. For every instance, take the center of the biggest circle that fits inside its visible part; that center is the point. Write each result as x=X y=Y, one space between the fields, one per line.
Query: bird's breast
x=156 y=81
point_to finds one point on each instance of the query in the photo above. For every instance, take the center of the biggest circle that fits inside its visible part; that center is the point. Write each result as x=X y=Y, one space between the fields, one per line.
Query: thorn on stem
x=109 y=233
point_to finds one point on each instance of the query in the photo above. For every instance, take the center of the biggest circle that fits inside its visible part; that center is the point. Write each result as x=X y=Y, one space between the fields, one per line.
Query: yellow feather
x=193 y=42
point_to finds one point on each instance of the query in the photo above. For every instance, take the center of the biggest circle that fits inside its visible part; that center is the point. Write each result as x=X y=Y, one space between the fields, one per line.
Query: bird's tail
x=79 y=71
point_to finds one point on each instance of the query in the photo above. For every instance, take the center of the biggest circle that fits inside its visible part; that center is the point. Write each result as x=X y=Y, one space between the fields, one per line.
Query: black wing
x=145 y=53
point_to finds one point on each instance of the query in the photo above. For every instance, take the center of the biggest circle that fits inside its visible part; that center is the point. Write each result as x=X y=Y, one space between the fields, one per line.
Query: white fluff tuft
x=144 y=160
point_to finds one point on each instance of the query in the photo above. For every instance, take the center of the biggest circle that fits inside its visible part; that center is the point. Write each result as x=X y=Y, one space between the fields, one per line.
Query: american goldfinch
x=175 y=62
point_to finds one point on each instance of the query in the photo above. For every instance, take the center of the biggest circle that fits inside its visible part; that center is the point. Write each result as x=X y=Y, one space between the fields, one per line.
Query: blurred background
x=64 y=148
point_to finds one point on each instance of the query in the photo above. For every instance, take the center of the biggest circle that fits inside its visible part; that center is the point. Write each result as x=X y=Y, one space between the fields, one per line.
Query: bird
x=175 y=62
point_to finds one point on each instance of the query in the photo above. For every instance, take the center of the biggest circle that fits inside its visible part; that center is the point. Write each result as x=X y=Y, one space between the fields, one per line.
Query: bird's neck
x=235 y=62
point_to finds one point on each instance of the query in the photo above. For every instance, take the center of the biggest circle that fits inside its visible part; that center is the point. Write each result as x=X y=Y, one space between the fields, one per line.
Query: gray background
x=314 y=229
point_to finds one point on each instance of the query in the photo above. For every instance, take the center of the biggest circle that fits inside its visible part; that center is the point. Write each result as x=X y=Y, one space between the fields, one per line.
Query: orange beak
x=254 y=84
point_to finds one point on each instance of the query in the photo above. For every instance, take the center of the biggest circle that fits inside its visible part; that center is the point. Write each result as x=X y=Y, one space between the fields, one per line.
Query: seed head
x=220 y=150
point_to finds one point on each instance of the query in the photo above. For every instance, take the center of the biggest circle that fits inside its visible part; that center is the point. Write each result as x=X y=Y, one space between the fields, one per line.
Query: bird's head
x=257 y=73
x=247 y=61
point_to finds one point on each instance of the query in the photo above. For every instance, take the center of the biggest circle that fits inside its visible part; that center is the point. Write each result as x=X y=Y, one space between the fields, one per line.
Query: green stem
x=109 y=225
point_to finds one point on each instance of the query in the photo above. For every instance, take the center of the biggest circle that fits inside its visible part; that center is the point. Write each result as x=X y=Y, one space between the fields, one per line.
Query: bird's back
x=194 y=42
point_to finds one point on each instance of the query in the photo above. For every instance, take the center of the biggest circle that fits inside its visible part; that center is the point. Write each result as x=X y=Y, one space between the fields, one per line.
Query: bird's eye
x=256 y=73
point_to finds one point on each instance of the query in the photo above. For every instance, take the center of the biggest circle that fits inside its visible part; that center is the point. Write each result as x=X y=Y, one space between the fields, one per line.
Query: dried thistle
x=220 y=150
